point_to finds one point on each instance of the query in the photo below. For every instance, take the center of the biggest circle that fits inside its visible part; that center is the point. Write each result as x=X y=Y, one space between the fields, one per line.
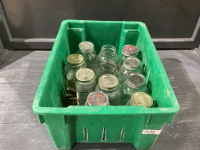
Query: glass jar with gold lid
x=74 y=63
x=85 y=83
x=109 y=84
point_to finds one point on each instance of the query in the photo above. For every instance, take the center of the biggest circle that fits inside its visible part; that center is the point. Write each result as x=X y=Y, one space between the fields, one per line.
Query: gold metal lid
x=86 y=47
x=141 y=99
x=108 y=82
x=85 y=75
x=75 y=59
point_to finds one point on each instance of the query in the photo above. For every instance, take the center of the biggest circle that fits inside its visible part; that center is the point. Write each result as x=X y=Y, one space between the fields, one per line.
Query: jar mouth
x=97 y=99
x=131 y=63
x=135 y=80
x=108 y=51
x=108 y=65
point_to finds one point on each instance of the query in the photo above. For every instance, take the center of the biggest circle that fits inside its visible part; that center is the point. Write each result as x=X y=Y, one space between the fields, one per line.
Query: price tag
x=151 y=131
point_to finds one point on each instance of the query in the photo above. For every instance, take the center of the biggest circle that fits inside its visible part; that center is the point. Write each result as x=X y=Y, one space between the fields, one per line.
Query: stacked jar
x=109 y=85
x=128 y=50
x=108 y=52
x=74 y=63
x=85 y=83
x=130 y=65
x=135 y=82
x=86 y=49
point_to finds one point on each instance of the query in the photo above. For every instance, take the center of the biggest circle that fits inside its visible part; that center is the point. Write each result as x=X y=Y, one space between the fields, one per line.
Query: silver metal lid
x=135 y=80
x=131 y=63
x=141 y=99
x=86 y=47
x=97 y=99
x=85 y=75
x=108 y=82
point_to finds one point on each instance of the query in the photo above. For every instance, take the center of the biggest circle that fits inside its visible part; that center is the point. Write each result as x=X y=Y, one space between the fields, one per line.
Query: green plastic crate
x=113 y=124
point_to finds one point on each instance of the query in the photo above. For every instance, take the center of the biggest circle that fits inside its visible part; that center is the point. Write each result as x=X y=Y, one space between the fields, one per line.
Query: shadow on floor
x=12 y=56
x=184 y=130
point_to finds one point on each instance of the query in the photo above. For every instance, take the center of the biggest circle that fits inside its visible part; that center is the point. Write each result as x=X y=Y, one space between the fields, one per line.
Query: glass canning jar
x=85 y=83
x=107 y=67
x=127 y=50
x=86 y=49
x=140 y=99
x=130 y=64
x=135 y=82
x=108 y=52
x=109 y=85
x=97 y=99
x=74 y=63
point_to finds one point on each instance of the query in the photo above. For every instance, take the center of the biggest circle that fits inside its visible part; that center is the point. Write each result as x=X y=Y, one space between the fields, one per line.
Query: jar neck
x=108 y=51
x=108 y=66
x=110 y=90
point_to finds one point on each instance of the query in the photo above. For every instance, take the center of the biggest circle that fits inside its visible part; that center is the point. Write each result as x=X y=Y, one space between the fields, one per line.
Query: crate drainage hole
x=122 y=134
x=104 y=134
x=85 y=133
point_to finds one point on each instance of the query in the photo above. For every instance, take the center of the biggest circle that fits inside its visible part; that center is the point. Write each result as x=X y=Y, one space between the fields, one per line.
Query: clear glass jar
x=86 y=49
x=135 y=82
x=127 y=50
x=107 y=67
x=108 y=52
x=85 y=83
x=140 y=99
x=74 y=63
x=109 y=85
x=97 y=99
x=130 y=64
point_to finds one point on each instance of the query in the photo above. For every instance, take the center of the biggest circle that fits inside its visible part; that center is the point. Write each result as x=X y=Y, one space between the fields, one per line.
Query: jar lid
x=141 y=99
x=86 y=47
x=130 y=49
x=85 y=75
x=108 y=82
x=135 y=80
x=97 y=99
x=75 y=59
x=131 y=63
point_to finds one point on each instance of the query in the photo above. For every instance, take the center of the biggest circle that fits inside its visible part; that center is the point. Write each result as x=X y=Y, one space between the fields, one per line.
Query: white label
x=151 y=131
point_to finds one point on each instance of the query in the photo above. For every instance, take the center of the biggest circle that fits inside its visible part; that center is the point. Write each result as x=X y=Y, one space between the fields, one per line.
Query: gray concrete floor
x=20 y=74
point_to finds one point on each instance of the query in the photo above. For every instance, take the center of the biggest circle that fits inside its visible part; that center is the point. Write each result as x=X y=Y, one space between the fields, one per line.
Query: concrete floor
x=20 y=74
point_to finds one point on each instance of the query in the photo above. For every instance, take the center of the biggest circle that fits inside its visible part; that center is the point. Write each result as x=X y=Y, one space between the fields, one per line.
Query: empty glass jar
x=86 y=49
x=130 y=64
x=108 y=52
x=135 y=82
x=127 y=50
x=140 y=99
x=107 y=67
x=109 y=85
x=74 y=63
x=97 y=99
x=85 y=83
